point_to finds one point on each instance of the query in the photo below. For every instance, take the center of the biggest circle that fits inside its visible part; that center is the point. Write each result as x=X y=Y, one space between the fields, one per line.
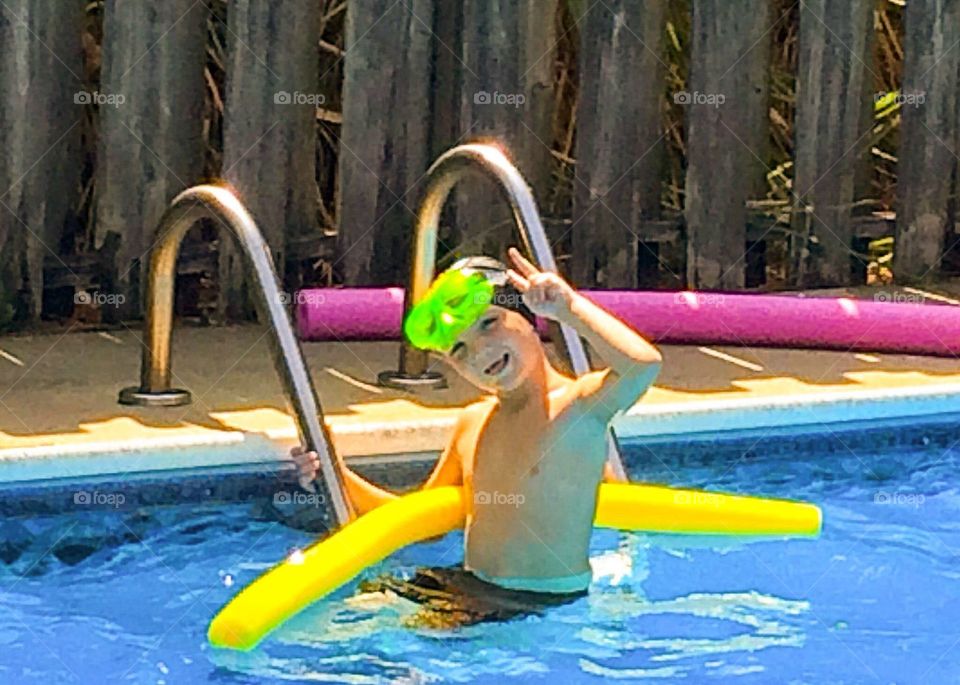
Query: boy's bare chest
x=517 y=449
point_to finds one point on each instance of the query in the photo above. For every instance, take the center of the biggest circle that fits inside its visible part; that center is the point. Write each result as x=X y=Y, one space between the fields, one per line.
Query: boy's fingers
x=517 y=281
x=524 y=266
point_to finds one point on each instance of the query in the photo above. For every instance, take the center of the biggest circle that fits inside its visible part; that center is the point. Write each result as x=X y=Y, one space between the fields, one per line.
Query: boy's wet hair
x=504 y=294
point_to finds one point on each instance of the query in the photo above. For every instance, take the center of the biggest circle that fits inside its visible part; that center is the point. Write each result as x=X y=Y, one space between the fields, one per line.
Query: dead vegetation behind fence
x=667 y=141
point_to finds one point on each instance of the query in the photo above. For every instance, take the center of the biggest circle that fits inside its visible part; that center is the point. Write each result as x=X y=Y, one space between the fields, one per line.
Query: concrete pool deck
x=58 y=397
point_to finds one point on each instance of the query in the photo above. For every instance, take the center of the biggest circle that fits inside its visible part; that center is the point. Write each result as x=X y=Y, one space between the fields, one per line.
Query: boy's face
x=498 y=352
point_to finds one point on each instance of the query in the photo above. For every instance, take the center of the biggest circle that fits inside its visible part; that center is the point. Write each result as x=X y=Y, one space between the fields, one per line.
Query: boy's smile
x=498 y=352
x=499 y=365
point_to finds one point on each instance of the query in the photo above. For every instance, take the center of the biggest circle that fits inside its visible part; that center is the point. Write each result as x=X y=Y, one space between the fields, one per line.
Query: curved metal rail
x=445 y=173
x=215 y=202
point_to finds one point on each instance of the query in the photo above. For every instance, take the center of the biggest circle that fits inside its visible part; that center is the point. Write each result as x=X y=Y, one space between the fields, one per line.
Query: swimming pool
x=873 y=600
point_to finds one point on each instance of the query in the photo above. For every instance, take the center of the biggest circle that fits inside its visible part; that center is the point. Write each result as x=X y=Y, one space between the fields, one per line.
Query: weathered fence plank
x=619 y=141
x=40 y=112
x=445 y=104
x=928 y=133
x=385 y=140
x=833 y=79
x=269 y=138
x=151 y=128
x=507 y=97
x=726 y=135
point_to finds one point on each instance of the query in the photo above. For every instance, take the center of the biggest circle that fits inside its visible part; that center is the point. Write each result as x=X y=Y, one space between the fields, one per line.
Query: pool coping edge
x=679 y=420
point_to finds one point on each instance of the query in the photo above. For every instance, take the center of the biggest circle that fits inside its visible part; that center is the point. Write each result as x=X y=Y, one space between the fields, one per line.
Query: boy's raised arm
x=621 y=347
x=634 y=362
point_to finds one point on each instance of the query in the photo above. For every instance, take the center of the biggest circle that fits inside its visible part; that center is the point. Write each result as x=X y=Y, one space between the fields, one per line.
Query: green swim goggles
x=453 y=303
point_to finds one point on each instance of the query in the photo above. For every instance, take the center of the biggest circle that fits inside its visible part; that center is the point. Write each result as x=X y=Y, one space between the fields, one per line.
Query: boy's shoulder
x=476 y=413
x=470 y=424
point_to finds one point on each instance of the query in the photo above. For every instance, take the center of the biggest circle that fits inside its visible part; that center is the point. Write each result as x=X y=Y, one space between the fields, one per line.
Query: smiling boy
x=531 y=453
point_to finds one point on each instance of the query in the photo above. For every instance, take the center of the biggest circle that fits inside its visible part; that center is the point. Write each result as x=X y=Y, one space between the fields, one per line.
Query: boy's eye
x=457 y=350
x=488 y=323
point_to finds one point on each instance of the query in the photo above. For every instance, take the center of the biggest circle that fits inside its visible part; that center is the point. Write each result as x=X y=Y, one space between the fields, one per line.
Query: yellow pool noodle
x=305 y=577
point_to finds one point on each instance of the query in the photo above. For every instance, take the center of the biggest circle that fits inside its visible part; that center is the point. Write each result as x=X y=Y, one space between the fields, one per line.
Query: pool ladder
x=446 y=172
x=220 y=204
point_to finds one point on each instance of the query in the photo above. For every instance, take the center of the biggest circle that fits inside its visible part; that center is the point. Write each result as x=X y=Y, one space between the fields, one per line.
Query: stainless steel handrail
x=445 y=173
x=219 y=203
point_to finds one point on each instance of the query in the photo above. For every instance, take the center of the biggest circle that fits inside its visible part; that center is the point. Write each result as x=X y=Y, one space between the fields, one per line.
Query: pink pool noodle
x=685 y=318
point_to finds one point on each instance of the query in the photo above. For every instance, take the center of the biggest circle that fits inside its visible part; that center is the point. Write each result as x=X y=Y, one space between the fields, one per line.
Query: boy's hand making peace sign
x=633 y=361
x=545 y=293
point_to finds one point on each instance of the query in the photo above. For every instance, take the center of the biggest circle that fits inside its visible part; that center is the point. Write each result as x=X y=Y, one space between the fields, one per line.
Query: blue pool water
x=875 y=599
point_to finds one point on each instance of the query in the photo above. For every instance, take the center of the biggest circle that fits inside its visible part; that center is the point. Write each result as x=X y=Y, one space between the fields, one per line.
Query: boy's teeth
x=496 y=366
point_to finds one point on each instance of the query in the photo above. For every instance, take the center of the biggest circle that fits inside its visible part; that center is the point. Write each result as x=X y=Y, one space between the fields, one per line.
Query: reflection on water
x=616 y=633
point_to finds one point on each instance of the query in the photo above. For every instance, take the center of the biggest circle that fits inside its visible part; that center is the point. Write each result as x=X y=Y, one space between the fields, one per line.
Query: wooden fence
x=419 y=76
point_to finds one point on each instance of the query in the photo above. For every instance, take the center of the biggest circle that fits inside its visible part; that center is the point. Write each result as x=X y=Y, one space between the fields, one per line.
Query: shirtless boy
x=531 y=454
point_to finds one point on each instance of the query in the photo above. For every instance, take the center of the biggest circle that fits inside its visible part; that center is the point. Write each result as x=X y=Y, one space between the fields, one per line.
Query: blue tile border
x=250 y=466
x=259 y=485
